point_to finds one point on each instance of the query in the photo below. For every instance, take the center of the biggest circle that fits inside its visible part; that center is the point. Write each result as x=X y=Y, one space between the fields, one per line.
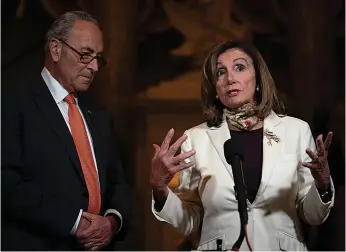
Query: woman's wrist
x=322 y=185
x=325 y=193
x=160 y=196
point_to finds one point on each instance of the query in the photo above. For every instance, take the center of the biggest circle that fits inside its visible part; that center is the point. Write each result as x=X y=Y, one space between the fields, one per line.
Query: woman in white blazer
x=287 y=178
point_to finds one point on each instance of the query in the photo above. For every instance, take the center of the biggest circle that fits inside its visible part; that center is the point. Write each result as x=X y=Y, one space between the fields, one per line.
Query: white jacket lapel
x=218 y=136
x=270 y=152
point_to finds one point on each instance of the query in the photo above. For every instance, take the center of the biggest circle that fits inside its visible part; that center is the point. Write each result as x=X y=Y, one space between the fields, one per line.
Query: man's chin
x=84 y=86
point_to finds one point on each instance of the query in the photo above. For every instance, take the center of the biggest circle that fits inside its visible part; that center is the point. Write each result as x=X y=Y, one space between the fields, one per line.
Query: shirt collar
x=56 y=89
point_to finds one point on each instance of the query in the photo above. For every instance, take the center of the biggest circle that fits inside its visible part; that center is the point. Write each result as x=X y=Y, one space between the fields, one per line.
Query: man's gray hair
x=61 y=27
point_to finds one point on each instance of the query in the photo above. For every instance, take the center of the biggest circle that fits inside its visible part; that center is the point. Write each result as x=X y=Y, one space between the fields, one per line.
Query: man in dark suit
x=62 y=182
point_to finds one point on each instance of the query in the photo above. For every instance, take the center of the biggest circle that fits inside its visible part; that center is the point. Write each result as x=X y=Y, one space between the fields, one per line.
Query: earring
x=257 y=88
x=217 y=97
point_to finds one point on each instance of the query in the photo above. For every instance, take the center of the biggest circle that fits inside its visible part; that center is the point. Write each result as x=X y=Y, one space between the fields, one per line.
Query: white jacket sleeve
x=183 y=209
x=310 y=206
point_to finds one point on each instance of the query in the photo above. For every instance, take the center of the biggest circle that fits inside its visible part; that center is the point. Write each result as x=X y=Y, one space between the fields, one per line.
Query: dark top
x=252 y=142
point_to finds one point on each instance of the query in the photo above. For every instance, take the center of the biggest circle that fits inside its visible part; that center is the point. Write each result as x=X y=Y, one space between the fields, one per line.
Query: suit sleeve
x=310 y=206
x=119 y=193
x=22 y=199
x=183 y=209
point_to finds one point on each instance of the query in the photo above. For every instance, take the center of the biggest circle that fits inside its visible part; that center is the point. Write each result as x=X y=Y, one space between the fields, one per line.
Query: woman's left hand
x=319 y=164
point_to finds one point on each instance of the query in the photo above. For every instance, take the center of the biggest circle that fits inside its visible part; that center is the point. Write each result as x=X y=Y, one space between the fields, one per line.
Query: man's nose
x=93 y=65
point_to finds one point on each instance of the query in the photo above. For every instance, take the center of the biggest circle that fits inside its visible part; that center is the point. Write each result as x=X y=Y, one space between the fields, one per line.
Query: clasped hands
x=95 y=232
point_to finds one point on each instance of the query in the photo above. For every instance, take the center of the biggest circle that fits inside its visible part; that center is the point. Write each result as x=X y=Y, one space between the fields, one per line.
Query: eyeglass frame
x=101 y=62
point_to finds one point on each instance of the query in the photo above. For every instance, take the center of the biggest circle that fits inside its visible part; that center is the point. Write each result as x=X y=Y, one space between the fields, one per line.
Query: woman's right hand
x=165 y=165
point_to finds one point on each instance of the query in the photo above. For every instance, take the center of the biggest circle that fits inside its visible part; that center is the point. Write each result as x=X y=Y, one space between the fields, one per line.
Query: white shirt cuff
x=113 y=211
x=75 y=226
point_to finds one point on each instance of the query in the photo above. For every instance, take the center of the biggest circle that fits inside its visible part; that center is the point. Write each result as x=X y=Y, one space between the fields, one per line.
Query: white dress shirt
x=59 y=93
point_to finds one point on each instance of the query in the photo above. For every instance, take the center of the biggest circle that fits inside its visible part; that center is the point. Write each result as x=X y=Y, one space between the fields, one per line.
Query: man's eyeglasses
x=86 y=58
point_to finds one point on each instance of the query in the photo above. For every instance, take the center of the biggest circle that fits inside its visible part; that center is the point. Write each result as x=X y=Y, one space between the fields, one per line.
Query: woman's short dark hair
x=266 y=98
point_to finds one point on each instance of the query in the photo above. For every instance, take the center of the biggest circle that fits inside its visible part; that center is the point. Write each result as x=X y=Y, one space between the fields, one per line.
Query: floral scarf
x=240 y=119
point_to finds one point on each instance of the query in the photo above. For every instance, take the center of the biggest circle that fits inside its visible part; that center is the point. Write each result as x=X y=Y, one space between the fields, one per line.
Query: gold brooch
x=271 y=136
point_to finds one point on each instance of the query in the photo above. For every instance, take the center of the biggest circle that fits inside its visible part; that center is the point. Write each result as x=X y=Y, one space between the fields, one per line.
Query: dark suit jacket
x=42 y=182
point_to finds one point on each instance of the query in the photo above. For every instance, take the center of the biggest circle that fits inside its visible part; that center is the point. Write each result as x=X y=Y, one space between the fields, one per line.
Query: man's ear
x=55 y=49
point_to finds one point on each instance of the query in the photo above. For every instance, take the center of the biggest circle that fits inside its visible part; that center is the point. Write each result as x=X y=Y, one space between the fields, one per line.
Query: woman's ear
x=55 y=49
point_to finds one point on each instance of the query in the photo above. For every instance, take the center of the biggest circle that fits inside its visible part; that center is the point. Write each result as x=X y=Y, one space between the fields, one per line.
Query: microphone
x=234 y=156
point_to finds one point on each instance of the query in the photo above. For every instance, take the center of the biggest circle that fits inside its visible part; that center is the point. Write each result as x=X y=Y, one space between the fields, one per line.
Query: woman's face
x=235 y=78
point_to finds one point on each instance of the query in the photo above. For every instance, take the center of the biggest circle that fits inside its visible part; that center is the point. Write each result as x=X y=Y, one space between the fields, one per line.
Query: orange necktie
x=82 y=144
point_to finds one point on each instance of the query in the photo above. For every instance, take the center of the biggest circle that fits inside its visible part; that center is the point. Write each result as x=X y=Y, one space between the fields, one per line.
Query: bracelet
x=325 y=195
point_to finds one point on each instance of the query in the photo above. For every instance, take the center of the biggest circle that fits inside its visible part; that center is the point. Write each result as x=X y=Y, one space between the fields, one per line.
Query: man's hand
x=100 y=232
x=83 y=225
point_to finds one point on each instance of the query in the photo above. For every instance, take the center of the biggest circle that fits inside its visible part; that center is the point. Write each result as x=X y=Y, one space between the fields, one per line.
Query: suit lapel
x=218 y=136
x=97 y=144
x=50 y=111
x=270 y=152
